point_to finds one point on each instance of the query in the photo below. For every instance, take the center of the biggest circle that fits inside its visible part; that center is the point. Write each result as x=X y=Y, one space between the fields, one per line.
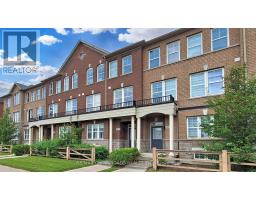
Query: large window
x=30 y=114
x=66 y=83
x=127 y=65
x=100 y=72
x=194 y=43
x=154 y=58
x=58 y=87
x=123 y=97
x=40 y=112
x=51 y=88
x=160 y=91
x=16 y=100
x=16 y=117
x=113 y=69
x=53 y=110
x=75 y=81
x=43 y=92
x=89 y=76
x=219 y=38
x=71 y=106
x=38 y=94
x=95 y=131
x=8 y=103
x=93 y=102
x=194 y=129
x=173 y=52
x=32 y=96
x=207 y=83
x=26 y=135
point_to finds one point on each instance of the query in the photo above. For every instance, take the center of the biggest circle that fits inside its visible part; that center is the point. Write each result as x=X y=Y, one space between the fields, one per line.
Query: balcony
x=118 y=106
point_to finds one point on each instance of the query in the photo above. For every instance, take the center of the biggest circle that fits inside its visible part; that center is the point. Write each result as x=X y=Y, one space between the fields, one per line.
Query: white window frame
x=8 y=102
x=73 y=81
x=199 y=129
x=123 y=66
x=201 y=53
x=94 y=107
x=26 y=135
x=55 y=109
x=123 y=103
x=66 y=84
x=91 y=77
x=228 y=41
x=164 y=87
x=16 y=100
x=206 y=88
x=159 y=57
x=97 y=133
x=58 y=87
x=100 y=65
x=51 y=88
x=167 y=50
x=38 y=94
x=16 y=117
x=109 y=70
x=43 y=92
x=72 y=111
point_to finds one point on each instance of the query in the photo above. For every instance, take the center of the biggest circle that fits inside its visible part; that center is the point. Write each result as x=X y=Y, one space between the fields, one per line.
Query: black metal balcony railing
x=129 y=104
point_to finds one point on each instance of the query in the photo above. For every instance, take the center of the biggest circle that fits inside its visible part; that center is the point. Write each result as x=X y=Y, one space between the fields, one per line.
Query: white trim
x=163 y=82
x=201 y=53
x=110 y=70
x=72 y=80
x=228 y=41
x=98 y=72
x=87 y=71
x=159 y=56
x=98 y=131
x=123 y=64
x=167 y=52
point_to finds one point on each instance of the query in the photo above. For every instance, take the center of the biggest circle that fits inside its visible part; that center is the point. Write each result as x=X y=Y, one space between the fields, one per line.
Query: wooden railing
x=185 y=160
x=6 y=148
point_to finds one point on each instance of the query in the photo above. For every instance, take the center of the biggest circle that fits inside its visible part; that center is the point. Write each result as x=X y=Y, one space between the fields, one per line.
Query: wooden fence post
x=47 y=152
x=154 y=159
x=11 y=149
x=30 y=150
x=224 y=161
x=68 y=153
x=93 y=152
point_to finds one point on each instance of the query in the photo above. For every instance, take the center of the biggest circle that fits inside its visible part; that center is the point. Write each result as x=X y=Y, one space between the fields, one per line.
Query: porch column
x=132 y=132
x=171 y=132
x=52 y=131
x=138 y=132
x=30 y=132
x=110 y=134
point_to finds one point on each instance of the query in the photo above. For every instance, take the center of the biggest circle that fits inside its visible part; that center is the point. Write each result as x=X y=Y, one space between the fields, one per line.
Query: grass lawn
x=43 y=164
x=111 y=169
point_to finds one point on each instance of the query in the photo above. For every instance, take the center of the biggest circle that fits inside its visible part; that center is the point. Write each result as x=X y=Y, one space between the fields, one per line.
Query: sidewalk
x=93 y=168
x=10 y=169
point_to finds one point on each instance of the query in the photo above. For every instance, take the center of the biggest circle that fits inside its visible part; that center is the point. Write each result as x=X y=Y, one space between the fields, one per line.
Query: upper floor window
x=32 y=96
x=207 y=83
x=58 y=86
x=123 y=97
x=89 y=76
x=93 y=102
x=164 y=89
x=43 y=92
x=16 y=100
x=194 y=43
x=71 y=106
x=154 y=58
x=100 y=72
x=40 y=112
x=51 y=88
x=66 y=83
x=113 y=69
x=30 y=114
x=8 y=103
x=127 y=65
x=220 y=38
x=194 y=129
x=16 y=117
x=38 y=94
x=173 y=52
x=53 y=110
x=27 y=97
x=95 y=131
x=74 y=81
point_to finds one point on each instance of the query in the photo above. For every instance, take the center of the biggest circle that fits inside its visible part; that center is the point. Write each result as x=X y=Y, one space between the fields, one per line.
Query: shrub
x=123 y=156
x=52 y=145
x=20 y=149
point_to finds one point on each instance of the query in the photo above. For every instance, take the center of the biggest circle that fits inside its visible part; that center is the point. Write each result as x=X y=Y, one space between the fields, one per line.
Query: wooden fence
x=6 y=148
x=179 y=159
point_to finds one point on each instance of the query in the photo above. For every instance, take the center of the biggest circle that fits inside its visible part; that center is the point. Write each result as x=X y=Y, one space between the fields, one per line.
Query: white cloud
x=62 y=31
x=4 y=87
x=94 y=31
x=1 y=52
x=48 y=40
x=137 y=34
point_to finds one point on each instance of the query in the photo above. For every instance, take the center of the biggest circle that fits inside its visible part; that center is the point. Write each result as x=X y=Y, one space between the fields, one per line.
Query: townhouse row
x=149 y=94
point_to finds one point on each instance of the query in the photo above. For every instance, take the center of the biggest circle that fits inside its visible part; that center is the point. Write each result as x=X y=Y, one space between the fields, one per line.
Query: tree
x=8 y=128
x=234 y=121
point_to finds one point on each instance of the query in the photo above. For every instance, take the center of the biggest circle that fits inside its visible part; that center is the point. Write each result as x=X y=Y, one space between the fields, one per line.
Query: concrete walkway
x=10 y=169
x=127 y=169
x=93 y=168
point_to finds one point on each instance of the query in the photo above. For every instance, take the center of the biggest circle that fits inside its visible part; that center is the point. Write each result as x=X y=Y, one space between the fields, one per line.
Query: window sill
x=213 y=95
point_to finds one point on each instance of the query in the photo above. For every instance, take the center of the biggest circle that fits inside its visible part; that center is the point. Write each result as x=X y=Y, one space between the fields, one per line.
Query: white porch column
x=52 y=131
x=40 y=135
x=138 y=132
x=30 y=132
x=110 y=134
x=132 y=132
x=171 y=132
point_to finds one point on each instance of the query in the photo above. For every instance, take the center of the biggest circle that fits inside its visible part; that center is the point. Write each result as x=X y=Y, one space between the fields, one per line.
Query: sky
x=55 y=45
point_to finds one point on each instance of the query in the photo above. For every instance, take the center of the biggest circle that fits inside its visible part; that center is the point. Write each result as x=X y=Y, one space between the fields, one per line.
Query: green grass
x=43 y=164
x=111 y=169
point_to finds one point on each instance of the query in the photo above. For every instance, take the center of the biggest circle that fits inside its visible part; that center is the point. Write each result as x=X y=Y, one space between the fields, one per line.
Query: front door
x=157 y=137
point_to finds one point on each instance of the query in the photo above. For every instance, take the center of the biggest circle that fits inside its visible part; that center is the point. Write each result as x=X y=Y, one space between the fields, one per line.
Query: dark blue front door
x=157 y=137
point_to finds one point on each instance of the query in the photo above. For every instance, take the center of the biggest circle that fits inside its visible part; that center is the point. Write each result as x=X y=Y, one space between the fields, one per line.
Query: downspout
x=244 y=51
